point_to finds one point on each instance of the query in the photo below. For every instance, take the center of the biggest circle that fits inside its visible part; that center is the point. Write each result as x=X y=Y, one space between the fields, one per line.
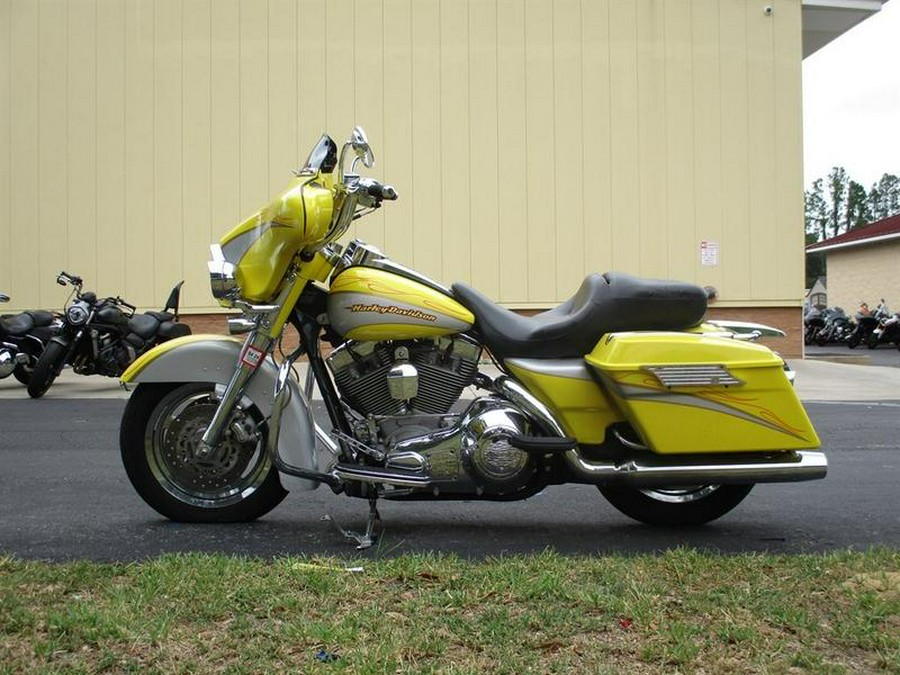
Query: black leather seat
x=144 y=325
x=604 y=303
x=18 y=325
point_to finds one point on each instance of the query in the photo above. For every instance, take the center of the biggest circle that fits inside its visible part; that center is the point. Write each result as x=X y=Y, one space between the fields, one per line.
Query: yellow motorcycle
x=623 y=386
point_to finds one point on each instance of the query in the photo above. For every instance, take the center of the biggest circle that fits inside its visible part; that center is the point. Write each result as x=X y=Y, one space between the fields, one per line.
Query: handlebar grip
x=64 y=278
x=381 y=192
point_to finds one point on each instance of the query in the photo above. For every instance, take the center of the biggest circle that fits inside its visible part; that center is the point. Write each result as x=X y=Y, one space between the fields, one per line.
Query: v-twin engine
x=373 y=376
x=404 y=391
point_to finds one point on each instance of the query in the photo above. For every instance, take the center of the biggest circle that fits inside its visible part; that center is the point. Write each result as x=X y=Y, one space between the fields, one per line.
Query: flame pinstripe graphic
x=727 y=405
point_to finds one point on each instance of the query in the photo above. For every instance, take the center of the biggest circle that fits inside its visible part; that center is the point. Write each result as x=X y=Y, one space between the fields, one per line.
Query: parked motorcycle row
x=95 y=336
x=832 y=326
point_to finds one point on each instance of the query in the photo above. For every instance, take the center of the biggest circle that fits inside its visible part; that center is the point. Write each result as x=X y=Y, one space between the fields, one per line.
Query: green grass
x=681 y=611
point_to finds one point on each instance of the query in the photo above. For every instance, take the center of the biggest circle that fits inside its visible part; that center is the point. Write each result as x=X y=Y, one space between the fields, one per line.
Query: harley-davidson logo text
x=392 y=309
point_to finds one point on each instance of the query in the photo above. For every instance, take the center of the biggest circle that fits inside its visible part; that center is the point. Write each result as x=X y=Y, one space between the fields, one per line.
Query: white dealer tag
x=252 y=357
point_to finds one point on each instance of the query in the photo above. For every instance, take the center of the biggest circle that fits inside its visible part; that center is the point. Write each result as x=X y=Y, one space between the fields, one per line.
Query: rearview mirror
x=360 y=143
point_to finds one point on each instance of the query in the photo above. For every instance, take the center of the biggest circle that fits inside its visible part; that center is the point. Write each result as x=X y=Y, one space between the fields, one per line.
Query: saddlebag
x=690 y=393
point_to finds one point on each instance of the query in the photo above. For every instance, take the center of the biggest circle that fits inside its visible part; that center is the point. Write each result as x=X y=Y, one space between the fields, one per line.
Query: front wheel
x=853 y=341
x=47 y=368
x=873 y=340
x=676 y=506
x=160 y=434
x=23 y=371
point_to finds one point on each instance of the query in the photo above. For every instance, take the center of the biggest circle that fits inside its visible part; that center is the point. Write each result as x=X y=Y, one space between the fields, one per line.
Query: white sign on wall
x=709 y=253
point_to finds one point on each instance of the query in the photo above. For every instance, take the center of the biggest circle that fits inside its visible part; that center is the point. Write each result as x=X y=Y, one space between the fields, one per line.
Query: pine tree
x=857 y=212
x=816 y=212
x=884 y=197
x=838 y=183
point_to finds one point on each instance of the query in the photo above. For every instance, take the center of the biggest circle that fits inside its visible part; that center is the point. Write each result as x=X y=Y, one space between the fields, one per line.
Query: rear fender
x=213 y=358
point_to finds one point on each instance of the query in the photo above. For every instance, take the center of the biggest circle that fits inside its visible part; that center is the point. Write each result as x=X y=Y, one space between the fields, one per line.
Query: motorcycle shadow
x=456 y=531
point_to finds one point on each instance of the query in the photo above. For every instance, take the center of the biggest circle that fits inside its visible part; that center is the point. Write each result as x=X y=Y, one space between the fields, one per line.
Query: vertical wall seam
x=40 y=205
x=470 y=277
x=553 y=149
x=9 y=221
x=525 y=120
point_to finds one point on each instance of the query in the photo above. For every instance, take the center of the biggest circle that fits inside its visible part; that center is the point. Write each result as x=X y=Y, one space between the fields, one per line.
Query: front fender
x=213 y=358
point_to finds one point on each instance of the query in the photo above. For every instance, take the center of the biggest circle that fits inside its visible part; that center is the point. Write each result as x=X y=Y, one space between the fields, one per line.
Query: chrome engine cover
x=444 y=367
x=474 y=454
x=487 y=453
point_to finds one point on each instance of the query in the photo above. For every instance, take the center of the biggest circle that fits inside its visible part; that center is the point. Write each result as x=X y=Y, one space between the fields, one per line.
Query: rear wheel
x=676 y=506
x=872 y=341
x=47 y=368
x=159 y=438
x=853 y=341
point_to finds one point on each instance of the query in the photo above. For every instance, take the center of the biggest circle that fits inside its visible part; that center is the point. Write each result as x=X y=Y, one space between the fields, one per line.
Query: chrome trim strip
x=388 y=265
x=693 y=376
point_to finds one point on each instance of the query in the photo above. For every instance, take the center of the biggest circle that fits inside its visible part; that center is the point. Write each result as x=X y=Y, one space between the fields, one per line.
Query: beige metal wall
x=531 y=141
x=864 y=274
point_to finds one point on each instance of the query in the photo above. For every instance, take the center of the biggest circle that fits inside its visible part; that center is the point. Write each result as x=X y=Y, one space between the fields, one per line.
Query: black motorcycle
x=103 y=336
x=813 y=322
x=838 y=327
x=22 y=339
x=866 y=325
x=888 y=331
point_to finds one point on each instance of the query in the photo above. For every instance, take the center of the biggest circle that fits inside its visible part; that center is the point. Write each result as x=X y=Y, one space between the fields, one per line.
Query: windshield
x=322 y=158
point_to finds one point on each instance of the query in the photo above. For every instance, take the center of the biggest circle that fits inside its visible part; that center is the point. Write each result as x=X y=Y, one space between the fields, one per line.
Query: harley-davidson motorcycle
x=623 y=386
x=22 y=339
x=102 y=336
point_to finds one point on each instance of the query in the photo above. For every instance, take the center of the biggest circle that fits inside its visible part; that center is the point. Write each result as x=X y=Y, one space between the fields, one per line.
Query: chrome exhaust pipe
x=660 y=471
x=375 y=475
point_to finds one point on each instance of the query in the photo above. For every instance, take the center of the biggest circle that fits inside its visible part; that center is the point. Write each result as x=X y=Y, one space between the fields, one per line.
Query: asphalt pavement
x=64 y=494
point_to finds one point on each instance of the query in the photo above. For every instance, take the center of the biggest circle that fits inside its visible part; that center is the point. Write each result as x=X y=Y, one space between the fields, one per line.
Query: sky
x=851 y=102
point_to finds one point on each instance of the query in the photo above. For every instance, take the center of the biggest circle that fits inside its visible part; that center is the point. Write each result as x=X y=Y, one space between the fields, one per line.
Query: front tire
x=160 y=431
x=677 y=506
x=46 y=369
x=23 y=371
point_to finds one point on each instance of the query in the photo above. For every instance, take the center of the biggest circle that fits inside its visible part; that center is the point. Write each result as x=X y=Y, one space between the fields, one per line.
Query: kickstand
x=369 y=537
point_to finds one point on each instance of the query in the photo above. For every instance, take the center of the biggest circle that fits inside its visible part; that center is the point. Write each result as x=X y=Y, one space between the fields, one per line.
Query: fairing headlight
x=221 y=277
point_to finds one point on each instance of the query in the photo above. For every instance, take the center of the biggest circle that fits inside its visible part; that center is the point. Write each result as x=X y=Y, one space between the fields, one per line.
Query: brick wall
x=864 y=273
x=788 y=319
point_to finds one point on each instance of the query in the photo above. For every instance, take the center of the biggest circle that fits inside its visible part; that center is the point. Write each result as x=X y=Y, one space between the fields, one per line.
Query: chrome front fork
x=256 y=349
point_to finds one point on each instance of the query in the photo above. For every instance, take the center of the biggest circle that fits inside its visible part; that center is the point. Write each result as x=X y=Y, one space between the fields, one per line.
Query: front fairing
x=261 y=249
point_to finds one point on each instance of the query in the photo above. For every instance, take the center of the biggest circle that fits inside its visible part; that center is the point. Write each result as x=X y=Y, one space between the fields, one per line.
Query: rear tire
x=48 y=367
x=677 y=506
x=853 y=341
x=872 y=341
x=160 y=430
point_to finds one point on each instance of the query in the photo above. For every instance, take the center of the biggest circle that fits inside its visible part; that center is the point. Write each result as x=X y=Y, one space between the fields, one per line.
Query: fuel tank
x=365 y=303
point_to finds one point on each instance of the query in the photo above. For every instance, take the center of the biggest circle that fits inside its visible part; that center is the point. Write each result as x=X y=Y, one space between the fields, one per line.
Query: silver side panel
x=574 y=369
x=214 y=360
